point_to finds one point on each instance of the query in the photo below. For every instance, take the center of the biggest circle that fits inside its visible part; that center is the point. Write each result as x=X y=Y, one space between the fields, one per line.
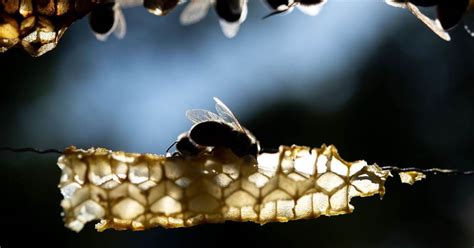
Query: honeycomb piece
x=9 y=32
x=39 y=35
x=38 y=25
x=410 y=177
x=9 y=6
x=139 y=191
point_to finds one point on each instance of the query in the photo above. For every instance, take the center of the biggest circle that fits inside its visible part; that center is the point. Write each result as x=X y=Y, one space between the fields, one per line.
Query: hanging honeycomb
x=140 y=191
x=37 y=26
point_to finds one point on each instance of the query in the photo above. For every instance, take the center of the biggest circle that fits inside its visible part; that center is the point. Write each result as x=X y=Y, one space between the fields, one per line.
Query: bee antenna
x=174 y=143
x=276 y=12
x=29 y=149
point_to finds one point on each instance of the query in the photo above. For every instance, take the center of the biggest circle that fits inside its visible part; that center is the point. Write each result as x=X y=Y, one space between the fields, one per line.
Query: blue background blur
x=362 y=75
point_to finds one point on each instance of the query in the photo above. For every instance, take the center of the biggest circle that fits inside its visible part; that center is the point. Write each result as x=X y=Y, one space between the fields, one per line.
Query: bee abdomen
x=450 y=13
x=229 y=10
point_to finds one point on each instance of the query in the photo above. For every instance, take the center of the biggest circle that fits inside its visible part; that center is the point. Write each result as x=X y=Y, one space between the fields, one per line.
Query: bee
x=212 y=130
x=107 y=17
x=232 y=13
x=449 y=13
x=309 y=7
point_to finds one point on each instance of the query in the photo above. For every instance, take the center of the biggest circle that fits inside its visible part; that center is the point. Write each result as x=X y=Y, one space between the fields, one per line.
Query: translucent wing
x=245 y=11
x=121 y=25
x=129 y=3
x=396 y=3
x=434 y=25
x=194 y=12
x=227 y=115
x=230 y=29
x=201 y=115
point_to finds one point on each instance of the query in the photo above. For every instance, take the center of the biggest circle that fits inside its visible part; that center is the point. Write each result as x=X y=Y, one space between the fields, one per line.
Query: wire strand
x=433 y=171
x=29 y=149
x=395 y=169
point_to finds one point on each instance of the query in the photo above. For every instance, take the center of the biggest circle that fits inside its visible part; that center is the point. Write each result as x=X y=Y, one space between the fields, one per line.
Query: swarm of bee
x=37 y=25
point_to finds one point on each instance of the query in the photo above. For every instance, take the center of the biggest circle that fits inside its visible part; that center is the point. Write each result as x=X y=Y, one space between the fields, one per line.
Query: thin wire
x=268 y=150
x=430 y=170
x=390 y=168
x=29 y=149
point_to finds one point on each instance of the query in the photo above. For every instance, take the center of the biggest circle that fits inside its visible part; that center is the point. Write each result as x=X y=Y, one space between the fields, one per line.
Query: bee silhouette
x=107 y=17
x=449 y=13
x=212 y=130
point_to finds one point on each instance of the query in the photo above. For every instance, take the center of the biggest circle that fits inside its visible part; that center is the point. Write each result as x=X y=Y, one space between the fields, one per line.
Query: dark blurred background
x=363 y=76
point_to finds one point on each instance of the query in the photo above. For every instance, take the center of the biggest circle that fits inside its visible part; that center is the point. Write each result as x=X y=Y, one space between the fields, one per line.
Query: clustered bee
x=37 y=25
x=221 y=130
x=107 y=16
x=449 y=13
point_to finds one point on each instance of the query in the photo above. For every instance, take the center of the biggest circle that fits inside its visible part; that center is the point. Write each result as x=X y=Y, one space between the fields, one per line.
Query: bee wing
x=230 y=29
x=396 y=3
x=434 y=25
x=226 y=115
x=129 y=3
x=245 y=11
x=120 y=28
x=201 y=115
x=194 y=12
x=311 y=9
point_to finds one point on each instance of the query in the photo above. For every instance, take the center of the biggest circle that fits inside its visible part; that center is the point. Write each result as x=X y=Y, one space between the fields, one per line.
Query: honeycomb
x=37 y=26
x=130 y=191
